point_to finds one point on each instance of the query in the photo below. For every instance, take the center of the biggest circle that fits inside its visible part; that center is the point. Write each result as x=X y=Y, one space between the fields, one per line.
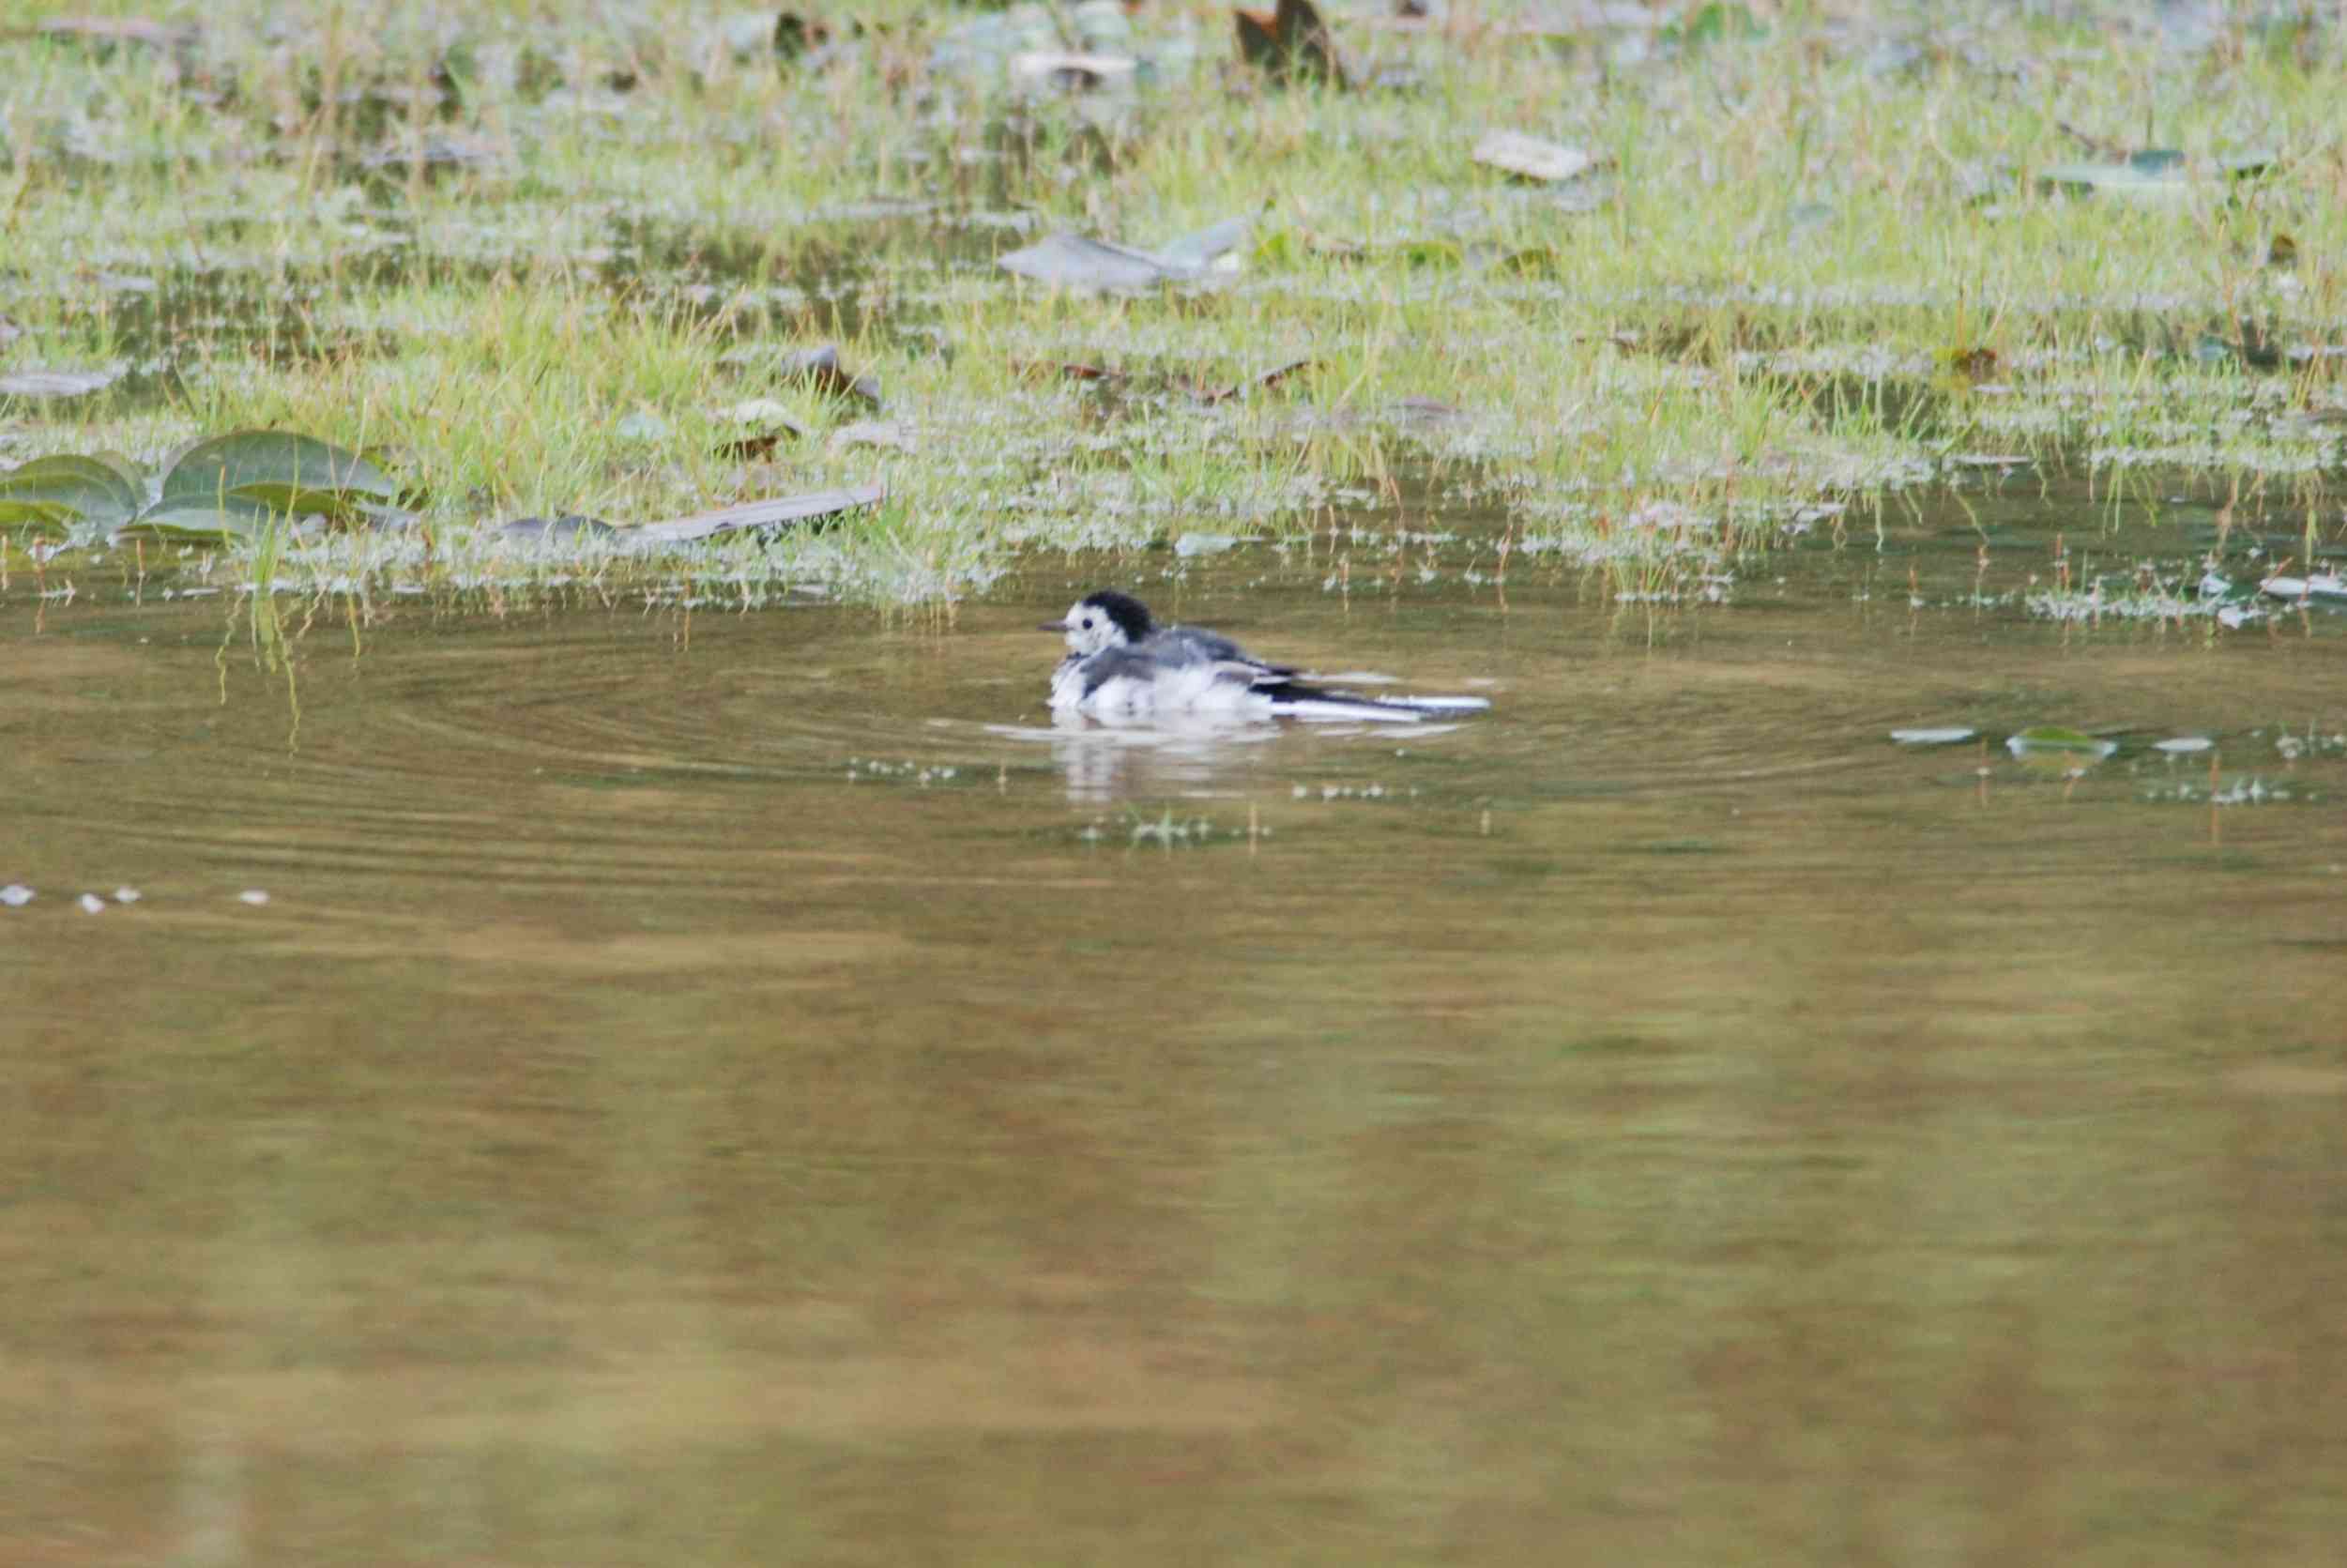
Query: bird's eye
x=1087 y=623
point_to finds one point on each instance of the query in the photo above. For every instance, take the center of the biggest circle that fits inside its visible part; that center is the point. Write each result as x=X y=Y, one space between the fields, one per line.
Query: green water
x=1658 y=1120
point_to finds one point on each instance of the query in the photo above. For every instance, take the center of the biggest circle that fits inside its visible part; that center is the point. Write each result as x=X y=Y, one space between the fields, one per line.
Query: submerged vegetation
x=1647 y=289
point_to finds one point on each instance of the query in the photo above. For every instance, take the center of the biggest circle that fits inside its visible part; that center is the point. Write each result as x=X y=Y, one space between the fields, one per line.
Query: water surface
x=739 y=1088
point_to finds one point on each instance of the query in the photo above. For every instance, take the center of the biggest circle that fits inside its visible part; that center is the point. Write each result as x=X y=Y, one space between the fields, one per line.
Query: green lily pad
x=255 y=472
x=57 y=493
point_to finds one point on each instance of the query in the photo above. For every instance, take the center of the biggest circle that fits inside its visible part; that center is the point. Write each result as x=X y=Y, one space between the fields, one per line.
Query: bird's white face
x=1090 y=628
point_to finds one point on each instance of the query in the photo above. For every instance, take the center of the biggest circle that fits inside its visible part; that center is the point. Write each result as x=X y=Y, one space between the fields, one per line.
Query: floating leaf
x=1073 y=260
x=2055 y=741
x=1529 y=158
x=2304 y=587
x=57 y=384
x=58 y=492
x=753 y=516
x=273 y=471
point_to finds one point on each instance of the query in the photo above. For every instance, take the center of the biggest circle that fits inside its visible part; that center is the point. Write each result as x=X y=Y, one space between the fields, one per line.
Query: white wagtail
x=1123 y=667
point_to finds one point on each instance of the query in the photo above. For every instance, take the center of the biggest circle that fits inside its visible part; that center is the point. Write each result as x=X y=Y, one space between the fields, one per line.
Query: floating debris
x=2182 y=745
x=1945 y=736
x=255 y=896
x=16 y=895
x=1529 y=158
x=91 y=903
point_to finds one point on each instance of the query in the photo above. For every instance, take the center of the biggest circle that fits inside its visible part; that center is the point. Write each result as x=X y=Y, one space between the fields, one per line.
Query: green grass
x=1815 y=266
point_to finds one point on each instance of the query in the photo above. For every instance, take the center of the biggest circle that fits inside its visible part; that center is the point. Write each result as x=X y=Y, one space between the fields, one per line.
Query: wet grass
x=1816 y=268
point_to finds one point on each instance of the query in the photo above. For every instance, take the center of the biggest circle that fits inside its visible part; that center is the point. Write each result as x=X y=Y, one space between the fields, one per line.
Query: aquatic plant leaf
x=752 y=516
x=45 y=517
x=205 y=522
x=2053 y=739
x=250 y=471
x=71 y=489
x=1532 y=159
x=294 y=500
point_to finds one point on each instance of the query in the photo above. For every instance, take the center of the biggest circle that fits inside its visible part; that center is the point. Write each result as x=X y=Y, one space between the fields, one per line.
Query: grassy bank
x=540 y=265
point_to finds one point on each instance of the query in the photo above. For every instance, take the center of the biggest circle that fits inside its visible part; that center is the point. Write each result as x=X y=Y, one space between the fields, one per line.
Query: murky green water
x=742 y=1090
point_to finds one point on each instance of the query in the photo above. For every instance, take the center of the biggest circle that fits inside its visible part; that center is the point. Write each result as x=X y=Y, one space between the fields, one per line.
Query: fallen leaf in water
x=1073 y=260
x=1529 y=158
x=752 y=516
x=57 y=384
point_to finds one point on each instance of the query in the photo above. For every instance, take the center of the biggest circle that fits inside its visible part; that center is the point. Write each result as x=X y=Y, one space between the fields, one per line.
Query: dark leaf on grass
x=2281 y=251
x=1272 y=377
x=1072 y=372
x=57 y=384
x=820 y=366
x=1291 y=42
x=66 y=491
x=1973 y=364
x=794 y=35
x=753 y=516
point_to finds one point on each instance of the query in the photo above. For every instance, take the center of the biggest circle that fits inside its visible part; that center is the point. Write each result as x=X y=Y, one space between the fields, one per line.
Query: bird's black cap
x=1129 y=613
